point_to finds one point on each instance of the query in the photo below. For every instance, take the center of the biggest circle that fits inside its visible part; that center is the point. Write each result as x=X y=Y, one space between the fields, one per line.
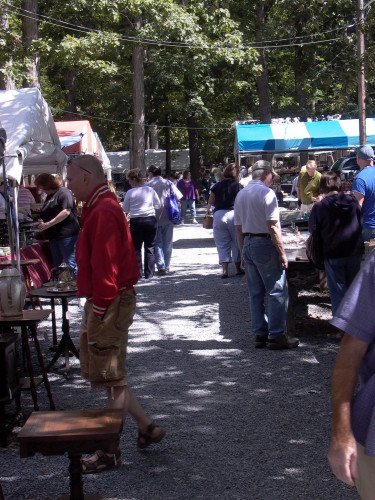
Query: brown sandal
x=145 y=438
x=100 y=461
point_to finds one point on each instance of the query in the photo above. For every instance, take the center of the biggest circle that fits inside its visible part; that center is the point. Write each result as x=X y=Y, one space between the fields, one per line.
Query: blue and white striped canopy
x=271 y=138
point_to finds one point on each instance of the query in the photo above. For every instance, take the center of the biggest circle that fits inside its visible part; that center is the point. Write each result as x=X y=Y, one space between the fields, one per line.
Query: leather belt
x=258 y=235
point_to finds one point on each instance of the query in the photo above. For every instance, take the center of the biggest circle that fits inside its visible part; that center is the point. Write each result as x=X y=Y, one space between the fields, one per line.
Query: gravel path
x=242 y=423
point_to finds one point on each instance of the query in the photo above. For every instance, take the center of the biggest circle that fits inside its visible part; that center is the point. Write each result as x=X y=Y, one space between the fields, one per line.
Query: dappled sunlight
x=217 y=353
x=160 y=375
x=199 y=392
x=294 y=472
x=190 y=408
x=238 y=419
x=309 y=359
x=261 y=391
x=143 y=349
x=299 y=441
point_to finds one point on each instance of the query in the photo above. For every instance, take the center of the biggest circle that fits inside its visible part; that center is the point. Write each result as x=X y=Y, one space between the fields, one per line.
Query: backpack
x=171 y=204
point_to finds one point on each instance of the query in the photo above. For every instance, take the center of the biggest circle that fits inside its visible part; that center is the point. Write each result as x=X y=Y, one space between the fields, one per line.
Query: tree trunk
x=168 y=159
x=138 y=146
x=299 y=74
x=6 y=65
x=194 y=149
x=70 y=86
x=138 y=109
x=154 y=136
x=29 y=34
x=262 y=79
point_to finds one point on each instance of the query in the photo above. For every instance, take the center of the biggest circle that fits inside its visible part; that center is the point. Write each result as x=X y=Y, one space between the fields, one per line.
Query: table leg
x=25 y=339
x=54 y=334
x=3 y=433
x=41 y=363
x=75 y=472
x=66 y=343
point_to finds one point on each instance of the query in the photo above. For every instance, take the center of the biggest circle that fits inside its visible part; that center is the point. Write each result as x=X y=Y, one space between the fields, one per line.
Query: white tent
x=32 y=145
x=120 y=160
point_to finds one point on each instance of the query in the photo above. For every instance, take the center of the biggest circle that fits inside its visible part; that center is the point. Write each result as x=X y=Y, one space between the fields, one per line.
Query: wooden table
x=28 y=322
x=66 y=343
x=74 y=432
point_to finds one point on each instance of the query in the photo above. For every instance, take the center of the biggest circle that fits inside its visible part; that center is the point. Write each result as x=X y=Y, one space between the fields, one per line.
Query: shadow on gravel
x=194 y=243
x=242 y=423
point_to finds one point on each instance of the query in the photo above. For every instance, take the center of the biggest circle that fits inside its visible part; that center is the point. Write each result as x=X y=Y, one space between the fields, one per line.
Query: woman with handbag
x=222 y=197
x=142 y=202
x=338 y=223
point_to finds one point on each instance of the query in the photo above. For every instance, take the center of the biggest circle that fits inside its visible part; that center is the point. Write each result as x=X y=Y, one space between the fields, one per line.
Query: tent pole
x=17 y=230
x=8 y=215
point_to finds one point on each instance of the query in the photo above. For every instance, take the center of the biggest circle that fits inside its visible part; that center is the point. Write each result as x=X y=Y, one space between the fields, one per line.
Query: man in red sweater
x=107 y=272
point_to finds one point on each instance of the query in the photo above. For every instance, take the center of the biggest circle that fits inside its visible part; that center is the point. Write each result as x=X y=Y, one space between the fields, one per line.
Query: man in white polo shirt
x=256 y=215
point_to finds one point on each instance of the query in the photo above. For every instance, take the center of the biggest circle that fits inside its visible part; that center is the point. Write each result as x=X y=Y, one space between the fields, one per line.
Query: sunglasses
x=70 y=161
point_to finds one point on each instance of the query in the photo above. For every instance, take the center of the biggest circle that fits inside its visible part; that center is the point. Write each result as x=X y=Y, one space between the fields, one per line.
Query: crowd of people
x=106 y=257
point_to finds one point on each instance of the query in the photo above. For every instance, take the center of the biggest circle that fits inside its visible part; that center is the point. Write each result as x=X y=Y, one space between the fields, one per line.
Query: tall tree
x=138 y=136
x=7 y=81
x=262 y=78
x=30 y=35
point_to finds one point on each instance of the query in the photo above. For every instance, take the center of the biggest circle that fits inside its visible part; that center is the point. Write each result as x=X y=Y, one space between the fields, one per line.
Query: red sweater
x=105 y=254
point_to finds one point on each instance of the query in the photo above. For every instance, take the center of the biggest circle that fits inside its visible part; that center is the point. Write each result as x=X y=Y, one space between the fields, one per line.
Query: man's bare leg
x=123 y=398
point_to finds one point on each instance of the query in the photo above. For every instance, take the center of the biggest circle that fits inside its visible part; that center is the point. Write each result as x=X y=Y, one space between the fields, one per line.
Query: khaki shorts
x=365 y=482
x=103 y=342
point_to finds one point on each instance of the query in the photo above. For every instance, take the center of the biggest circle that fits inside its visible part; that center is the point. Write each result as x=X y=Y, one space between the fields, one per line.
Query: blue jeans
x=265 y=281
x=225 y=236
x=340 y=273
x=65 y=249
x=164 y=245
x=185 y=204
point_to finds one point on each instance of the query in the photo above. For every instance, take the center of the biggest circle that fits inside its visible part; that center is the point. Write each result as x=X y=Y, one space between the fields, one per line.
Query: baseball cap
x=365 y=152
x=263 y=165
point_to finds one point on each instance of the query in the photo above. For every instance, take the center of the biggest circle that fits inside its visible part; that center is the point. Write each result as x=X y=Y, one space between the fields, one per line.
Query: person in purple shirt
x=352 y=450
x=190 y=193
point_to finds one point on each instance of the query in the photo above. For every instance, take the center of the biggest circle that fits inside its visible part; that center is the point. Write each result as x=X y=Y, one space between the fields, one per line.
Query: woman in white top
x=141 y=202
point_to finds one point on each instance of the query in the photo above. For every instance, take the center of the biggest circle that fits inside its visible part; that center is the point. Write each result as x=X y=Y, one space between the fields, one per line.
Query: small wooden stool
x=73 y=432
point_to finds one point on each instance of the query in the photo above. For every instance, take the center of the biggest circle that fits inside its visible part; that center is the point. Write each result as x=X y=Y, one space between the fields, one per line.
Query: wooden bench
x=74 y=432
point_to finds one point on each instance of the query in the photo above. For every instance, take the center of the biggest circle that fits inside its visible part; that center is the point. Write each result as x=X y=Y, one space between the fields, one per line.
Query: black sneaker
x=261 y=341
x=283 y=342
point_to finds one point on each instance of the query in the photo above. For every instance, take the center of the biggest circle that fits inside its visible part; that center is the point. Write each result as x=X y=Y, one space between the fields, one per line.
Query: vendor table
x=28 y=322
x=66 y=344
x=300 y=272
x=73 y=432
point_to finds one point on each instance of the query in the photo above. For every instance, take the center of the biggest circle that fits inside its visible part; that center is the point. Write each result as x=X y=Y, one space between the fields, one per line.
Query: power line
x=147 y=41
x=145 y=125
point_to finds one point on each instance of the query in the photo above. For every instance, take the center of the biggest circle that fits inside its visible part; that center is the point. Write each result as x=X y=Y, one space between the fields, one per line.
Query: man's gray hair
x=258 y=173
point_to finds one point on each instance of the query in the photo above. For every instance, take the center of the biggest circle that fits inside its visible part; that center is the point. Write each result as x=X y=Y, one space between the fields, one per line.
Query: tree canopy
x=206 y=63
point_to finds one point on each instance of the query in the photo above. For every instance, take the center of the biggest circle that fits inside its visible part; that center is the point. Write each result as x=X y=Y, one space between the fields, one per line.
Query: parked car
x=347 y=165
x=348 y=168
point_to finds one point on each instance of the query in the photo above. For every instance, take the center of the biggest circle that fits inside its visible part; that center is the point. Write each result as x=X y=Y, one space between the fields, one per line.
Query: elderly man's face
x=75 y=182
x=311 y=169
x=364 y=163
